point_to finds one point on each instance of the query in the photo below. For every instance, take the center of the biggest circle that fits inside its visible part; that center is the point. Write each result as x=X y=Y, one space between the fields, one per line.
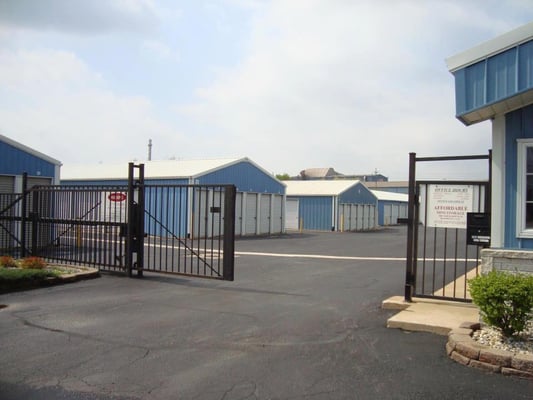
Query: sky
x=292 y=84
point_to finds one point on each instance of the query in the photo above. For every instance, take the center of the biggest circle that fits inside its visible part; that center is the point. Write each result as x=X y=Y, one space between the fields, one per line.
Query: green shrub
x=8 y=262
x=33 y=263
x=505 y=300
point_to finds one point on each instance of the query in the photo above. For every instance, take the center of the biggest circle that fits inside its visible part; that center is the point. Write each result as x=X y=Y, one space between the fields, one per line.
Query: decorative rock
x=484 y=366
x=523 y=362
x=487 y=350
x=517 y=372
x=466 y=349
x=449 y=348
x=455 y=356
x=496 y=357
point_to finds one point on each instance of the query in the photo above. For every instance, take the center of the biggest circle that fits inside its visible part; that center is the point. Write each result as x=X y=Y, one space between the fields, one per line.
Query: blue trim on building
x=518 y=125
x=494 y=79
x=14 y=161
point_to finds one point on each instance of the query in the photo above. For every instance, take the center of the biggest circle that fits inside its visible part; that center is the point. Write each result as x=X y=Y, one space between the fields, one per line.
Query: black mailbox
x=478 y=229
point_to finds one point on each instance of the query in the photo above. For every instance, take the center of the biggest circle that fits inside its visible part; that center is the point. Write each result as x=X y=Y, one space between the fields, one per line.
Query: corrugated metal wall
x=246 y=177
x=494 y=79
x=316 y=212
x=358 y=194
x=15 y=162
x=519 y=125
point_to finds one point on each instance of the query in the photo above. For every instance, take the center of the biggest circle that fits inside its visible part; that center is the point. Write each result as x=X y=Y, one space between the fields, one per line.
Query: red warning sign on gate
x=117 y=196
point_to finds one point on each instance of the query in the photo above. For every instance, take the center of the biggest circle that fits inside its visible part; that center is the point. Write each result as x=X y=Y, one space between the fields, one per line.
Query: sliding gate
x=442 y=254
x=174 y=229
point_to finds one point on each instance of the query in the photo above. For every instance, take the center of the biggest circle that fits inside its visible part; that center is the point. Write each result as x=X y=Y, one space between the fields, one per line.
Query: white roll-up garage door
x=7 y=184
x=250 y=222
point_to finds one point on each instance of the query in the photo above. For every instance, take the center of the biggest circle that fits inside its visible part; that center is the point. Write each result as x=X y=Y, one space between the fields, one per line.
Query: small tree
x=504 y=299
x=283 y=177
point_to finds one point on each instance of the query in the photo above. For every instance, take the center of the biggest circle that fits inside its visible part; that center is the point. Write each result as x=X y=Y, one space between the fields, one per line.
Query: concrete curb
x=428 y=315
x=84 y=273
x=466 y=351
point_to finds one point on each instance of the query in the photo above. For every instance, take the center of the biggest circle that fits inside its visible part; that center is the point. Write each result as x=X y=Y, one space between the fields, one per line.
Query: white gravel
x=492 y=337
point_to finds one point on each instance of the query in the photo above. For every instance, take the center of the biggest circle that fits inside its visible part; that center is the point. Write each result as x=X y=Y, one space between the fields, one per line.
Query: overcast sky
x=292 y=84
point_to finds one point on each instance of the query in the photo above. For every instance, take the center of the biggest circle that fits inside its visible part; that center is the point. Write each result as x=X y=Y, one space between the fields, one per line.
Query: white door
x=292 y=222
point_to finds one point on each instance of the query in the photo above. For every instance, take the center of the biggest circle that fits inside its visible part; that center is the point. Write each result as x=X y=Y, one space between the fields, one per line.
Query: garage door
x=292 y=221
x=277 y=213
x=264 y=215
x=38 y=182
x=7 y=184
x=250 y=223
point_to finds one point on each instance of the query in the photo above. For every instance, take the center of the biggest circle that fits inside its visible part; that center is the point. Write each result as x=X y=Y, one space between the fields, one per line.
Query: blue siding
x=518 y=125
x=14 y=161
x=246 y=177
x=494 y=79
x=501 y=76
x=381 y=212
x=316 y=212
x=525 y=67
x=358 y=194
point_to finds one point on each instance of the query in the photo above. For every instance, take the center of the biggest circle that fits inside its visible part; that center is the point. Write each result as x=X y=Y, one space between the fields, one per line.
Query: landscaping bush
x=505 y=300
x=33 y=263
x=8 y=262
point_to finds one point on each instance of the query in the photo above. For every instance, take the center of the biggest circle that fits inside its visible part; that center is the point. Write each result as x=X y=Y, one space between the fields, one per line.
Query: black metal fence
x=186 y=229
x=190 y=230
x=440 y=259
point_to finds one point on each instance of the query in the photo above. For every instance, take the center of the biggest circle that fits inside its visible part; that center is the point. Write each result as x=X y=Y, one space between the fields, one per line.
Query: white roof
x=390 y=196
x=152 y=169
x=491 y=47
x=29 y=150
x=319 y=187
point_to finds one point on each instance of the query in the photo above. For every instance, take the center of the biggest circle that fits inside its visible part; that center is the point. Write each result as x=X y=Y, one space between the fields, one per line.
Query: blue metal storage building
x=17 y=158
x=494 y=81
x=391 y=206
x=260 y=196
x=330 y=205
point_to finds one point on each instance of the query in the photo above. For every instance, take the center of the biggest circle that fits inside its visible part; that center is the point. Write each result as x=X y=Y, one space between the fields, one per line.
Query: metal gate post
x=34 y=216
x=229 y=233
x=135 y=224
x=23 y=212
x=140 y=222
x=411 y=229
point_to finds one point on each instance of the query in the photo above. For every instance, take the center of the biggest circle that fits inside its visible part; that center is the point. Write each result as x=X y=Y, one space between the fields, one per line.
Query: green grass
x=12 y=279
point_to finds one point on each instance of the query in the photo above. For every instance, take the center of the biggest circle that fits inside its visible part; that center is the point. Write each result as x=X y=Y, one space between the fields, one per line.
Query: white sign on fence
x=447 y=205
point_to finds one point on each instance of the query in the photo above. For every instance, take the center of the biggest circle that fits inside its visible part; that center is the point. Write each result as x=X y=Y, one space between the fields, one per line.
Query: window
x=524 y=195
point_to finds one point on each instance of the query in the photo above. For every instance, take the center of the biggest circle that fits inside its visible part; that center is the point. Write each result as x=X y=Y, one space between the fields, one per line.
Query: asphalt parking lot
x=302 y=320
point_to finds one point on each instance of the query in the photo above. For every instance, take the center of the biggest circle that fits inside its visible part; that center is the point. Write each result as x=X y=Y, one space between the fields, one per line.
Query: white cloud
x=160 y=50
x=51 y=101
x=81 y=16
x=350 y=85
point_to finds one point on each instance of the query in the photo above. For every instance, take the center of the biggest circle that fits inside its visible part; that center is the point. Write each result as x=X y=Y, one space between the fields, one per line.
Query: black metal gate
x=440 y=259
x=175 y=229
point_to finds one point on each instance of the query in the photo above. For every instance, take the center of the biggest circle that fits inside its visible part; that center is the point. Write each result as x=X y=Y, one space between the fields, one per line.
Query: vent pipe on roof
x=149 y=149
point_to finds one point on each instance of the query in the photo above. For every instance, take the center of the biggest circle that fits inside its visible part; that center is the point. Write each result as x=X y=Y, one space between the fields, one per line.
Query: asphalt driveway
x=290 y=327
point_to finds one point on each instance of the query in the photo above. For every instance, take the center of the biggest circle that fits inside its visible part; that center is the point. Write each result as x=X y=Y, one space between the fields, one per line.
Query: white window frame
x=521 y=187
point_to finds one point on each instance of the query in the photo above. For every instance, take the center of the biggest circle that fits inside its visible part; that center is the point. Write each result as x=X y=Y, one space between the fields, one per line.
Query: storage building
x=391 y=206
x=336 y=205
x=260 y=196
x=17 y=159
x=494 y=82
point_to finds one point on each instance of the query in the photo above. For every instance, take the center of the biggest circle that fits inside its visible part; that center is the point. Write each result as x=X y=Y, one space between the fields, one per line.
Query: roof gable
x=319 y=187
